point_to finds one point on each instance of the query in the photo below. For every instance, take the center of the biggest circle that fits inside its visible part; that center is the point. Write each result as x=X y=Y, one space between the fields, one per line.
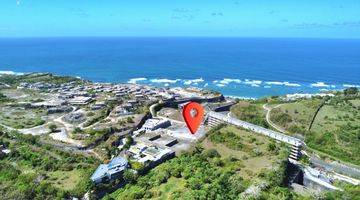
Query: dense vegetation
x=230 y=139
x=341 y=143
x=90 y=135
x=36 y=171
x=36 y=77
x=102 y=115
x=201 y=174
x=3 y=98
x=350 y=192
x=205 y=174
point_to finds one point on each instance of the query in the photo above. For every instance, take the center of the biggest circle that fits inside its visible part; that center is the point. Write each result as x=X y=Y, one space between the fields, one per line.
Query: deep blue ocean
x=244 y=67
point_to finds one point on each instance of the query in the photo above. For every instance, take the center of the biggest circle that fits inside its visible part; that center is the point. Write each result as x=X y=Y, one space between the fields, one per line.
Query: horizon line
x=124 y=36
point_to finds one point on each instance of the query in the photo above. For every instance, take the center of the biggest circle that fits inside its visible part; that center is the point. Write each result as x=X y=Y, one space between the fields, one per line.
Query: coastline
x=250 y=89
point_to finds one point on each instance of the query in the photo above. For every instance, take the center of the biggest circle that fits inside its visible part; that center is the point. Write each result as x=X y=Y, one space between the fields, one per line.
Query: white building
x=154 y=154
x=150 y=156
x=121 y=110
x=80 y=100
x=155 y=123
x=98 y=105
x=111 y=171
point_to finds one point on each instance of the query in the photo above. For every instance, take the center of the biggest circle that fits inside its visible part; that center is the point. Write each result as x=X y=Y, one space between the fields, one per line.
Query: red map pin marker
x=193 y=114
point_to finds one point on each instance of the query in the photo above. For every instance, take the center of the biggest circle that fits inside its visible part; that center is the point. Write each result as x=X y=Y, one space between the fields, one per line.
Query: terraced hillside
x=227 y=162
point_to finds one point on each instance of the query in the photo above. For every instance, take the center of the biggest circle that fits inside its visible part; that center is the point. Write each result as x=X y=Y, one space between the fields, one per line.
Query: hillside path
x=268 y=120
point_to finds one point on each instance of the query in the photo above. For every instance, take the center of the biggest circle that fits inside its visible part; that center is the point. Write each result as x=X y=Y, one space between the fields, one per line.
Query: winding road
x=268 y=120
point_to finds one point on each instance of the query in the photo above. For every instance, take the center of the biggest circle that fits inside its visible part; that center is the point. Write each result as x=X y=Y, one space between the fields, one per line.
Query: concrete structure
x=137 y=149
x=75 y=117
x=59 y=109
x=80 y=100
x=155 y=123
x=150 y=156
x=111 y=171
x=293 y=97
x=221 y=106
x=48 y=104
x=98 y=105
x=316 y=180
x=155 y=155
x=218 y=118
x=123 y=110
x=215 y=118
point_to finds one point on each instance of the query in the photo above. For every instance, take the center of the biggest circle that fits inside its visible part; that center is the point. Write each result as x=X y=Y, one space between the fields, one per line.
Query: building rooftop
x=116 y=165
x=155 y=123
x=117 y=161
x=154 y=154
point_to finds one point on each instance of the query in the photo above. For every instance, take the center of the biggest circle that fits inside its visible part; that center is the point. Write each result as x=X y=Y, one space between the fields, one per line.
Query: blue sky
x=221 y=18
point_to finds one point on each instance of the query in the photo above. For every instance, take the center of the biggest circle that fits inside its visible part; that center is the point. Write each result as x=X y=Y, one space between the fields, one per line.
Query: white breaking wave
x=11 y=73
x=319 y=84
x=285 y=83
x=252 y=82
x=164 y=80
x=135 y=80
x=193 y=81
x=274 y=83
x=291 y=84
x=350 y=85
x=229 y=80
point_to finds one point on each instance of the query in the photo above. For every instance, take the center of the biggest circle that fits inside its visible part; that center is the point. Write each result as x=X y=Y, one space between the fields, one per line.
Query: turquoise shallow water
x=246 y=67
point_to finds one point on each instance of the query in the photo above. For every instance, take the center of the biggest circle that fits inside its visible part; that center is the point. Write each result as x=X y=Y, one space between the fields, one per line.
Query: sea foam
x=193 y=81
x=285 y=83
x=319 y=84
x=350 y=85
x=135 y=80
x=10 y=73
x=164 y=80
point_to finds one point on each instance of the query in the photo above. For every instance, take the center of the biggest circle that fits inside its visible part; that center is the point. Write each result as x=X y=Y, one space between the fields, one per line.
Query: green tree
x=129 y=120
x=350 y=91
x=130 y=176
x=52 y=127
x=129 y=142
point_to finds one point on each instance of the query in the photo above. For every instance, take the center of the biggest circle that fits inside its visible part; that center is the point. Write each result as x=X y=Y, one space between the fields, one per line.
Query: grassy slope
x=65 y=180
x=254 y=155
x=250 y=111
x=166 y=189
x=335 y=130
x=299 y=115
